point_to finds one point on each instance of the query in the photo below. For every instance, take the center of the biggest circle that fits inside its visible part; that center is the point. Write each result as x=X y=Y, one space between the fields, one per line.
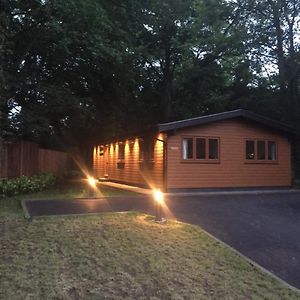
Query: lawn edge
x=81 y=215
x=83 y=198
x=252 y=262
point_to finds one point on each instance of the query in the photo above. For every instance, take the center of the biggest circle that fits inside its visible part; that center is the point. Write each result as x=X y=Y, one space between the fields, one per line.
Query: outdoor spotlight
x=92 y=181
x=158 y=196
x=159 y=199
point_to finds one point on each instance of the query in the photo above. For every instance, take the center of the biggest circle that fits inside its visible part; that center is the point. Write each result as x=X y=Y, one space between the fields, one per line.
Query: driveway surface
x=264 y=227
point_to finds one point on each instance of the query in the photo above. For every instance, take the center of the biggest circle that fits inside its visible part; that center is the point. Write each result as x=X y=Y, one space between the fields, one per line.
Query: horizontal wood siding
x=106 y=164
x=232 y=170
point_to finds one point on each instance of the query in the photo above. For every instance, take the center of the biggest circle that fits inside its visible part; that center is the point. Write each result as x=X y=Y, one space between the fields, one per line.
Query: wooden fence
x=26 y=158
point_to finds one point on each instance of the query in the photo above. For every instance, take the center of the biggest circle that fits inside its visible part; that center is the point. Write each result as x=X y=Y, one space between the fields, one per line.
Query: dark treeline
x=73 y=71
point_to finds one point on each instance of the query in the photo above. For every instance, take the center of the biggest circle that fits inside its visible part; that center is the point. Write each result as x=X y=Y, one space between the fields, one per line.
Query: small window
x=121 y=153
x=271 y=150
x=187 y=148
x=250 y=150
x=101 y=150
x=151 y=150
x=200 y=148
x=121 y=165
x=261 y=150
x=213 y=149
x=141 y=150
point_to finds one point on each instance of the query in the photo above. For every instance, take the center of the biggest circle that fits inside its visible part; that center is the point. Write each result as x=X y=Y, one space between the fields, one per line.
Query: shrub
x=26 y=184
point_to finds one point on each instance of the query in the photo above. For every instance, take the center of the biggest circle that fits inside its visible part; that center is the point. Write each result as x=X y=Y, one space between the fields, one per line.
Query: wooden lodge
x=234 y=149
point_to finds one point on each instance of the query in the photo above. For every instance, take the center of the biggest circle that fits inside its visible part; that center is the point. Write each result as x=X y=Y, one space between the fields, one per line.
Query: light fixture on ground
x=93 y=184
x=159 y=200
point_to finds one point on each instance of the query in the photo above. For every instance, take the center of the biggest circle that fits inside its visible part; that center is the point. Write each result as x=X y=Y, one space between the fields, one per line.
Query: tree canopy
x=77 y=71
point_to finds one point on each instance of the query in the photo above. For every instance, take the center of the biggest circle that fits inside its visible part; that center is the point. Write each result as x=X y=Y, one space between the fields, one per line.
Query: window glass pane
x=213 y=149
x=261 y=150
x=141 y=149
x=121 y=154
x=200 y=148
x=271 y=151
x=187 y=148
x=151 y=150
x=249 y=149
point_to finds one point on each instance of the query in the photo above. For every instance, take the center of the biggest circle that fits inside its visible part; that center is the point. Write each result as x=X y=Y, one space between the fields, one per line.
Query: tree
x=177 y=37
x=273 y=26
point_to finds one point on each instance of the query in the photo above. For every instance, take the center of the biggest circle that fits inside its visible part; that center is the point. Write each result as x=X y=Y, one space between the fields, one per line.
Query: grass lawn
x=123 y=256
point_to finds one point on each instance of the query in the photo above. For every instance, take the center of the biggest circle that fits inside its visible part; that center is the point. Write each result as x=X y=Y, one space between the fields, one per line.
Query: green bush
x=26 y=184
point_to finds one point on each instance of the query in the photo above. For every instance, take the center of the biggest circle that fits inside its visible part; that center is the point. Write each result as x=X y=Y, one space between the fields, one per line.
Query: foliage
x=26 y=184
x=69 y=68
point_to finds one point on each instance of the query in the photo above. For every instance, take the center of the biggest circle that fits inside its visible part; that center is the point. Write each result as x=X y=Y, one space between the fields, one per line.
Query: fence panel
x=53 y=161
x=25 y=158
x=3 y=161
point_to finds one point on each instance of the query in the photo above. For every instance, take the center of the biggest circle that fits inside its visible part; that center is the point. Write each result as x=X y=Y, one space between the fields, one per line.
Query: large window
x=261 y=150
x=200 y=149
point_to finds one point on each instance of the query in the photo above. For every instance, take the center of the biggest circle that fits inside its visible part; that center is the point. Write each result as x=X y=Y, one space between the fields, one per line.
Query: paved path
x=50 y=207
x=264 y=227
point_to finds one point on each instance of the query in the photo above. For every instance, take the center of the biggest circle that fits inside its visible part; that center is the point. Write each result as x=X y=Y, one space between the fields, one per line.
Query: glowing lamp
x=92 y=181
x=158 y=196
x=159 y=199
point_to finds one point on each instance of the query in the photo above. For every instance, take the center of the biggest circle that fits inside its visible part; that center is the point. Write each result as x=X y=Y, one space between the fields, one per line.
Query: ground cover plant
x=123 y=256
x=26 y=184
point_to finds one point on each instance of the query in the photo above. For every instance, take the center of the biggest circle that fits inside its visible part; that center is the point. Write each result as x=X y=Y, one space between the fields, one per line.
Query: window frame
x=201 y=160
x=260 y=161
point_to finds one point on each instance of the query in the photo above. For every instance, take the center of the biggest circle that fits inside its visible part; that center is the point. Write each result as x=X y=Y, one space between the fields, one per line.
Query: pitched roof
x=239 y=113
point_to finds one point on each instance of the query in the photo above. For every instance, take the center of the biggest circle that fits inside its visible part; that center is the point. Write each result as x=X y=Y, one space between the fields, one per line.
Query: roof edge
x=242 y=113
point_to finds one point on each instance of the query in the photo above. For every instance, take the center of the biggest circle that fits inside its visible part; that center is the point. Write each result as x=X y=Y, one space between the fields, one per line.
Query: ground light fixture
x=159 y=201
x=92 y=183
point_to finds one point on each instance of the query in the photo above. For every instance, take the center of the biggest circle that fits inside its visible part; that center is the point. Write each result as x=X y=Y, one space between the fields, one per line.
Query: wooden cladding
x=232 y=169
x=142 y=163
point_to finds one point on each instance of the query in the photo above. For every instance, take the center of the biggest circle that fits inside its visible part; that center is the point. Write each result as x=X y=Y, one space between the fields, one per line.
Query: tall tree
x=177 y=36
x=273 y=26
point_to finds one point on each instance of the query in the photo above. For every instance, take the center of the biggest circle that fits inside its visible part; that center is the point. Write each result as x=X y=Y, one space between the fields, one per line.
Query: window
x=213 y=149
x=250 y=150
x=261 y=150
x=151 y=150
x=271 y=150
x=141 y=150
x=121 y=153
x=197 y=149
x=187 y=148
x=146 y=156
x=200 y=148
